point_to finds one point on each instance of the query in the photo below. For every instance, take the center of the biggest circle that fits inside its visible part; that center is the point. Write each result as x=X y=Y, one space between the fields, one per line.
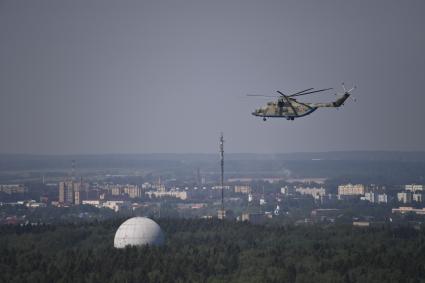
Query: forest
x=198 y=250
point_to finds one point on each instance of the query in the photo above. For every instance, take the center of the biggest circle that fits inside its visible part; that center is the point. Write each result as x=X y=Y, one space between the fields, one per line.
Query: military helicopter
x=288 y=107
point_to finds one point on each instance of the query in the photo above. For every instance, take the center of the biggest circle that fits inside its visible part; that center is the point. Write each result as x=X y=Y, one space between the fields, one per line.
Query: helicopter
x=288 y=107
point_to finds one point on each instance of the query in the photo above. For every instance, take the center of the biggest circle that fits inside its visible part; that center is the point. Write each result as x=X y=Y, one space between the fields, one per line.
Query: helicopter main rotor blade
x=302 y=91
x=320 y=90
x=289 y=102
x=261 y=95
x=281 y=93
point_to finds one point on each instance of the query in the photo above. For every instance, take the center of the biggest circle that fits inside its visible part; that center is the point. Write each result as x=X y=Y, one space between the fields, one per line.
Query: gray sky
x=168 y=76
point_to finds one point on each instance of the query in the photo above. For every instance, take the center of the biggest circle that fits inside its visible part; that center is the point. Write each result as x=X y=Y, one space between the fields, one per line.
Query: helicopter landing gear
x=264 y=119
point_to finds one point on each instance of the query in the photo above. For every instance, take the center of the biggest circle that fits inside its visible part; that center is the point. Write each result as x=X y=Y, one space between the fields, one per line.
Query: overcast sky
x=168 y=76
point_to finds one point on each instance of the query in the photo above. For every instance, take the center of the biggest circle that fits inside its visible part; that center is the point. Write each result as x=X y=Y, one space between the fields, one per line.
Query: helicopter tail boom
x=337 y=103
x=340 y=101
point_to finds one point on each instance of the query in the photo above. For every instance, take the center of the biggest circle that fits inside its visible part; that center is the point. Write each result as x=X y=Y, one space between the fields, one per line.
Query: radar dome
x=138 y=231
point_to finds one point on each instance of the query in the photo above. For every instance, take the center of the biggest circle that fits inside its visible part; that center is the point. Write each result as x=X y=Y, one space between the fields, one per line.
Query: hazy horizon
x=117 y=154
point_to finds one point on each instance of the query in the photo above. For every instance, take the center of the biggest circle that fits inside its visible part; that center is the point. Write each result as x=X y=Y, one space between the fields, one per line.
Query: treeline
x=213 y=251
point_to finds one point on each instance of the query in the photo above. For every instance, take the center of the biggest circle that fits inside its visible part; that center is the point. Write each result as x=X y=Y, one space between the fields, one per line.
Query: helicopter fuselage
x=281 y=109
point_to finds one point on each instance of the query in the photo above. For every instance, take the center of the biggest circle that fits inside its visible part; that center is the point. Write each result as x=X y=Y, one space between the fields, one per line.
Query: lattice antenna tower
x=222 y=170
x=73 y=170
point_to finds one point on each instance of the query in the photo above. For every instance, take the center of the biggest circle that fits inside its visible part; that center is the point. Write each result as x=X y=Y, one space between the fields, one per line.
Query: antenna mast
x=73 y=170
x=222 y=170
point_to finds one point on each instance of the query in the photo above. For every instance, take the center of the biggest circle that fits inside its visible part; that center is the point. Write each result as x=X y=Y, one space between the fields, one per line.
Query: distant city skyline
x=100 y=77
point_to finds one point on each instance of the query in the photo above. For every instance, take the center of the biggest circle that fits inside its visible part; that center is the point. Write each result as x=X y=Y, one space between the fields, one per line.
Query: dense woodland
x=212 y=251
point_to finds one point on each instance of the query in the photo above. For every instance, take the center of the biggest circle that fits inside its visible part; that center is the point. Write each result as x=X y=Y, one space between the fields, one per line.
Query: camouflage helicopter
x=288 y=107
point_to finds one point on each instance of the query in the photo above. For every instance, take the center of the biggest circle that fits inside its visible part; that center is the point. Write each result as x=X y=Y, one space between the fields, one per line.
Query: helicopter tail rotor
x=348 y=92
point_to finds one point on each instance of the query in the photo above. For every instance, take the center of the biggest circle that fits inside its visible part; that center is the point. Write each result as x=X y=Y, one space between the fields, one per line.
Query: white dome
x=138 y=231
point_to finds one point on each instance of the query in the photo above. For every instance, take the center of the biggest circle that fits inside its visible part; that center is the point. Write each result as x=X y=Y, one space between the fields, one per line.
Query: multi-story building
x=374 y=197
x=66 y=192
x=133 y=191
x=408 y=209
x=172 y=193
x=225 y=187
x=77 y=193
x=243 y=189
x=96 y=203
x=12 y=189
x=116 y=191
x=70 y=192
x=147 y=186
x=371 y=197
x=116 y=205
x=413 y=188
x=418 y=197
x=382 y=198
x=287 y=190
x=34 y=204
x=61 y=192
x=404 y=197
x=221 y=214
x=351 y=190
x=316 y=193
